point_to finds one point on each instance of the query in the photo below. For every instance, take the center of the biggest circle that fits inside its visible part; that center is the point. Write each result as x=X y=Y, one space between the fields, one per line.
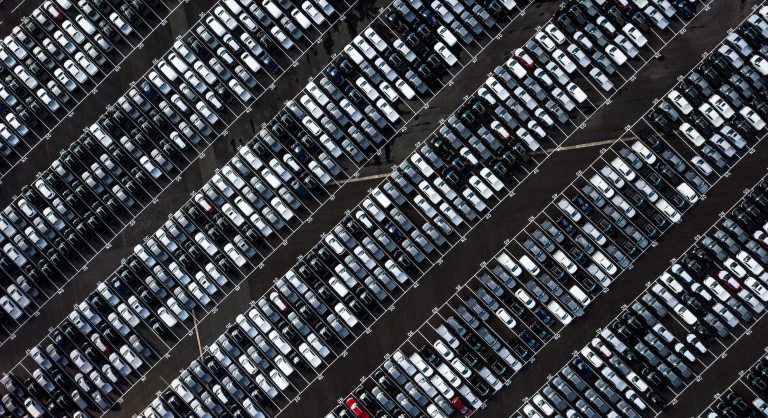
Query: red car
x=524 y=58
x=459 y=405
x=54 y=11
x=622 y=4
x=729 y=281
x=204 y=204
x=279 y=303
x=356 y=409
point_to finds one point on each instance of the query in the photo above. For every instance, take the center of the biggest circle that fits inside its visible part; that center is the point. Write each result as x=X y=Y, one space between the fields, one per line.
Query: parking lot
x=423 y=272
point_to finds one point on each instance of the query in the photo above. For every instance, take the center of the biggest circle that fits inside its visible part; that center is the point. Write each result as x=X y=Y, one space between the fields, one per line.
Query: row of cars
x=360 y=268
x=570 y=254
x=744 y=398
x=142 y=143
x=55 y=57
x=245 y=211
x=718 y=107
x=711 y=294
x=119 y=164
x=547 y=276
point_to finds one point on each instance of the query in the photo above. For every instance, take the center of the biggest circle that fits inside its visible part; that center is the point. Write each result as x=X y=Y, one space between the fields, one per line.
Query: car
x=121 y=24
x=355 y=407
x=446 y=54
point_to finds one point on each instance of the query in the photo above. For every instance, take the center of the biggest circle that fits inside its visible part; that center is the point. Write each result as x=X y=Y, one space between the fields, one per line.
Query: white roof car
x=757 y=288
x=506 y=261
x=680 y=102
x=506 y=318
x=750 y=263
x=559 y=312
x=753 y=118
x=545 y=41
x=691 y=134
x=491 y=179
x=635 y=35
x=604 y=263
x=711 y=115
x=526 y=300
x=565 y=62
x=446 y=54
x=760 y=64
x=722 y=106
x=701 y=165
x=124 y=27
x=602 y=185
x=564 y=261
x=644 y=152
x=616 y=54
x=347 y=316
x=555 y=33
x=668 y=210
x=480 y=187
x=685 y=314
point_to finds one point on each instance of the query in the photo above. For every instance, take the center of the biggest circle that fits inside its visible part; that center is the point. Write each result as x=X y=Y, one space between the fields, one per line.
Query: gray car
x=564 y=388
x=407 y=405
x=555 y=399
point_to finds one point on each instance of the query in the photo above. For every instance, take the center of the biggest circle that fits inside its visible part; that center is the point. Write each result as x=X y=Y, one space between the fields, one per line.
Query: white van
x=529 y=265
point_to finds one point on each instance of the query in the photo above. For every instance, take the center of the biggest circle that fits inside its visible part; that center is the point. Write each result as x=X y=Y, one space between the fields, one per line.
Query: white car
x=545 y=41
x=603 y=81
x=690 y=133
x=685 y=314
x=345 y=314
x=554 y=33
x=10 y=307
x=447 y=36
x=278 y=379
x=446 y=54
x=750 y=263
x=701 y=165
x=124 y=27
x=564 y=261
x=559 y=312
x=506 y=318
x=760 y=64
x=722 y=106
x=711 y=115
x=602 y=186
x=525 y=299
x=491 y=179
x=635 y=35
x=616 y=54
x=680 y=102
x=604 y=263
x=668 y=210
x=757 y=288
x=390 y=113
